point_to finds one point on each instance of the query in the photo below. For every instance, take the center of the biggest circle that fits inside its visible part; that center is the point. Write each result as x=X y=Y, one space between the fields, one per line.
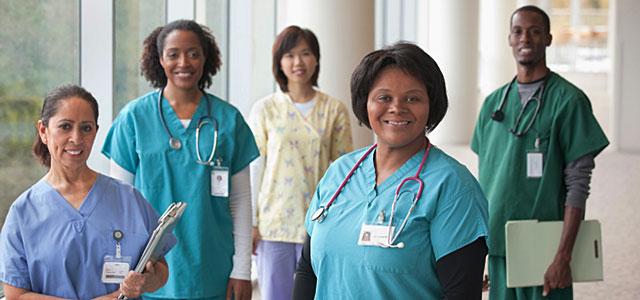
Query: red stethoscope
x=321 y=213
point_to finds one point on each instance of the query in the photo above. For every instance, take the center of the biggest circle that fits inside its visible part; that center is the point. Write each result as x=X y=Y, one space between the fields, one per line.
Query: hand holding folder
x=166 y=223
x=531 y=247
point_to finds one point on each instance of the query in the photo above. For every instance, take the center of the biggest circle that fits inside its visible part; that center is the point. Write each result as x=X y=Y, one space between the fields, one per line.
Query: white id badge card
x=534 y=164
x=220 y=181
x=373 y=235
x=114 y=270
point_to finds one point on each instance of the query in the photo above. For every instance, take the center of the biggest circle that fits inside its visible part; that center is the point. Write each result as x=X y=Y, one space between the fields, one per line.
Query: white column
x=345 y=31
x=625 y=43
x=497 y=65
x=452 y=40
x=240 y=52
x=96 y=68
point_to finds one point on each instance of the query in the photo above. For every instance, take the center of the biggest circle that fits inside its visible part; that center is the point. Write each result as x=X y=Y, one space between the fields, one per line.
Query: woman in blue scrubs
x=180 y=143
x=60 y=233
x=370 y=239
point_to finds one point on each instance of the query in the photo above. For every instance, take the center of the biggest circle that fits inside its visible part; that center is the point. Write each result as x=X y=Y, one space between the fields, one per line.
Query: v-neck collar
x=409 y=167
x=292 y=106
x=294 y=112
x=89 y=202
x=175 y=124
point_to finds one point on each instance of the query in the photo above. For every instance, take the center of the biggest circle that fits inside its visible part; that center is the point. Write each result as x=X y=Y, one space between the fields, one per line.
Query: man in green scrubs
x=536 y=139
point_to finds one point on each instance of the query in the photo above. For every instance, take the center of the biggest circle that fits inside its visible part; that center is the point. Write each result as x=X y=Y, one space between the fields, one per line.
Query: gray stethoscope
x=498 y=115
x=321 y=213
x=175 y=143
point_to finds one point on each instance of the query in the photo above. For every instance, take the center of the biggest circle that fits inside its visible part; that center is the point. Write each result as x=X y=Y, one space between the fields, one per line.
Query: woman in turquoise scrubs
x=59 y=233
x=437 y=247
x=213 y=256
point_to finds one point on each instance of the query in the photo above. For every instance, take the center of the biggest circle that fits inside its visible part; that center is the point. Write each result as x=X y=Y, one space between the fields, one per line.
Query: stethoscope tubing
x=321 y=213
x=203 y=121
x=498 y=115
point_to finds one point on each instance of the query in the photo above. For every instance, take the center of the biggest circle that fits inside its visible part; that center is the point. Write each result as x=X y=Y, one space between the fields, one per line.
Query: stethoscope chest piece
x=175 y=143
x=319 y=214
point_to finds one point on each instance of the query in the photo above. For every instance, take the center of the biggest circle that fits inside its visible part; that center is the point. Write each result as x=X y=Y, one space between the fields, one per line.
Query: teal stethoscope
x=175 y=143
x=536 y=98
x=321 y=213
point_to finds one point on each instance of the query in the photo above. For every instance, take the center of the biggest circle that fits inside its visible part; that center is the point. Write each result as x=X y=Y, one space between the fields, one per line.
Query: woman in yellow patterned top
x=299 y=131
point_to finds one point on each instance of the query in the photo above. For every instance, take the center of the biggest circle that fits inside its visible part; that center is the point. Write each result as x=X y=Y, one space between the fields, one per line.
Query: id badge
x=114 y=270
x=220 y=181
x=534 y=164
x=373 y=235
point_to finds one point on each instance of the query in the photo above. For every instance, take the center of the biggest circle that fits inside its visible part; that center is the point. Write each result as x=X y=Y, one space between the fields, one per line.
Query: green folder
x=532 y=245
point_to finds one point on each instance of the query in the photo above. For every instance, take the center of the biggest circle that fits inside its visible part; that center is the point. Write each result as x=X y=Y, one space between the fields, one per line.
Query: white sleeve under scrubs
x=49 y=247
x=201 y=264
x=451 y=213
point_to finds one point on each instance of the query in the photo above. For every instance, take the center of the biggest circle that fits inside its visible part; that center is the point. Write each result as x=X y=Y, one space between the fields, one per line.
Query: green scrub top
x=200 y=264
x=450 y=214
x=566 y=129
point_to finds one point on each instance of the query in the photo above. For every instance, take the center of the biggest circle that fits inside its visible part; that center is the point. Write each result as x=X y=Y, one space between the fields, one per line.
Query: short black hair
x=287 y=40
x=153 y=46
x=50 y=107
x=533 y=9
x=410 y=59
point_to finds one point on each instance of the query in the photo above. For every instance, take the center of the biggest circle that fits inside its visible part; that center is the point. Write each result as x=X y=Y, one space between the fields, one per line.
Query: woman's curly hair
x=153 y=46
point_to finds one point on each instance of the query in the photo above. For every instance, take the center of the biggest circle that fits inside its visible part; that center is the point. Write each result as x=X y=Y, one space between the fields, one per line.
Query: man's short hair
x=533 y=9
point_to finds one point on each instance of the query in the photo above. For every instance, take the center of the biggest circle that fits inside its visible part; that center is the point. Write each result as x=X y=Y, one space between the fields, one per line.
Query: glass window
x=579 y=29
x=39 y=50
x=134 y=20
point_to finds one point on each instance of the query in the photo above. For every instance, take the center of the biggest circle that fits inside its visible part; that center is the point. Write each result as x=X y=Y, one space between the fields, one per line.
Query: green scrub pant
x=498 y=285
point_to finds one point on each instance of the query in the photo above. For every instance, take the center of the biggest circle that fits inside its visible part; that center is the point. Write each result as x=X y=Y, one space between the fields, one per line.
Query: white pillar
x=96 y=68
x=452 y=40
x=497 y=65
x=345 y=31
x=625 y=42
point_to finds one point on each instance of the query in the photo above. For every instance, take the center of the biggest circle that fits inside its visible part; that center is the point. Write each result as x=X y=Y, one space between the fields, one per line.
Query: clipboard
x=531 y=246
x=153 y=249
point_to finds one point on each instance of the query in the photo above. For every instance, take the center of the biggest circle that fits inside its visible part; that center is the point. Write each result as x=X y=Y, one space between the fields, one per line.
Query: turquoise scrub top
x=49 y=247
x=201 y=262
x=451 y=213
x=566 y=129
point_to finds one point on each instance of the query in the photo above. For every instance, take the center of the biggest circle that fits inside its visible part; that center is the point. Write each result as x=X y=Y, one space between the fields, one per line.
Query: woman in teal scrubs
x=437 y=246
x=180 y=143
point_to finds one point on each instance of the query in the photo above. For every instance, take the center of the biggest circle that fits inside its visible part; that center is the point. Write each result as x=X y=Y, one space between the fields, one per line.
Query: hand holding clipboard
x=166 y=223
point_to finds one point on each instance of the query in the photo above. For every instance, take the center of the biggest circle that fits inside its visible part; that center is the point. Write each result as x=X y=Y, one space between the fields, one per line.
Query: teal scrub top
x=451 y=213
x=200 y=264
x=566 y=129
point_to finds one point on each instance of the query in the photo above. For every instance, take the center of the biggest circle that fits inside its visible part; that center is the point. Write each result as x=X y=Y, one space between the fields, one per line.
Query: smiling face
x=529 y=38
x=299 y=64
x=398 y=109
x=70 y=133
x=182 y=60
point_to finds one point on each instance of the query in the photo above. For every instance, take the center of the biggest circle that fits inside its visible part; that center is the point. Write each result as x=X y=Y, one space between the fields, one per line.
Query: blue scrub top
x=450 y=214
x=49 y=247
x=200 y=265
